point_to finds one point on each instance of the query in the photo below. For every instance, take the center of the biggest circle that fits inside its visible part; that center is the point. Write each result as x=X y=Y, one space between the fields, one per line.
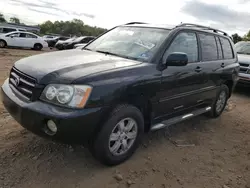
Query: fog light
x=52 y=126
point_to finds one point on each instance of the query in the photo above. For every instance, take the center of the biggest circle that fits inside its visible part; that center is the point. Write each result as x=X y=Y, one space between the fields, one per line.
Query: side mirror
x=177 y=59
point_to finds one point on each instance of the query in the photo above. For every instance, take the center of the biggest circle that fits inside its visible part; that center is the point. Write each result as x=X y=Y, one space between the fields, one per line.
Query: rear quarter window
x=227 y=48
x=208 y=47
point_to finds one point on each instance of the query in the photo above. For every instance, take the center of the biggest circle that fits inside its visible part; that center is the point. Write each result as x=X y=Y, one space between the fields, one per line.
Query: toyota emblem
x=17 y=80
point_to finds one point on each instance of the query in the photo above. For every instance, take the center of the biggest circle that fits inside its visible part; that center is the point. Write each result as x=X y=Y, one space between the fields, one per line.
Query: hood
x=244 y=58
x=66 y=66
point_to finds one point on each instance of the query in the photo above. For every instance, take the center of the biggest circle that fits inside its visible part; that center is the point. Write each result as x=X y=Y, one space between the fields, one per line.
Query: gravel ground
x=215 y=154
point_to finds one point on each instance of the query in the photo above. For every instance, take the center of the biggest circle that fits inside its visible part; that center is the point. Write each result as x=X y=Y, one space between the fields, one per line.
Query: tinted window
x=7 y=30
x=208 y=47
x=186 y=43
x=30 y=36
x=22 y=35
x=227 y=49
x=219 y=48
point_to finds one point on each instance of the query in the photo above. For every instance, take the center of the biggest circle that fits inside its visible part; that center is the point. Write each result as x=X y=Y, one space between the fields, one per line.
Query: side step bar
x=179 y=118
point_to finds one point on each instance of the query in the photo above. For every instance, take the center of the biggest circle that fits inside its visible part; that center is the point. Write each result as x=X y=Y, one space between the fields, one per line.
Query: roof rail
x=130 y=23
x=203 y=27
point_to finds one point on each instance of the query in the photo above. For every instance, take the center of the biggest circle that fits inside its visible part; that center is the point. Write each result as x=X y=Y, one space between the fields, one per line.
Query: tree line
x=74 y=27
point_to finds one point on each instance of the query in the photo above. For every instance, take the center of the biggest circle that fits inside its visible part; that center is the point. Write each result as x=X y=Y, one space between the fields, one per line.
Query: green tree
x=74 y=27
x=15 y=20
x=236 y=38
x=2 y=19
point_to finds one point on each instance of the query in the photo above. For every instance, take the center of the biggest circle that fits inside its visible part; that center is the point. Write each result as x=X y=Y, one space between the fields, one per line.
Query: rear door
x=181 y=86
x=31 y=40
x=212 y=61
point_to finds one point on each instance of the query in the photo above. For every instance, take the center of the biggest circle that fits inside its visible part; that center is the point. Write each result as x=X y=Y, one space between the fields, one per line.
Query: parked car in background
x=133 y=79
x=23 y=40
x=52 y=41
x=78 y=46
x=79 y=40
x=243 y=51
x=81 y=45
x=9 y=29
x=60 y=43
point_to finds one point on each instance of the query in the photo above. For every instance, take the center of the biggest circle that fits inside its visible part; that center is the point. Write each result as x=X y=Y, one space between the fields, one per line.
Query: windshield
x=130 y=42
x=243 y=47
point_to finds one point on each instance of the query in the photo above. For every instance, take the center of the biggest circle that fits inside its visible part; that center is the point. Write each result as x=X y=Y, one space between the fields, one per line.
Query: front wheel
x=2 y=44
x=220 y=101
x=120 y=136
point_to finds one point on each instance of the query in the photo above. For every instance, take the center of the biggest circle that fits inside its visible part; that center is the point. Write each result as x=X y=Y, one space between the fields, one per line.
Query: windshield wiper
x=118 y=55
x=107 y=53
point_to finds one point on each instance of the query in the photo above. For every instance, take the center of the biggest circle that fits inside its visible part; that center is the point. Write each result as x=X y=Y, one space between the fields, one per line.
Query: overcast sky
x=229 y=15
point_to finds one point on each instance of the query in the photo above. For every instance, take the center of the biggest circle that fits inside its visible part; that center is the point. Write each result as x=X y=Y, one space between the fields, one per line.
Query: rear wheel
x=220 y=101
x=2 y=44
x=38 y=47
x=120 y=136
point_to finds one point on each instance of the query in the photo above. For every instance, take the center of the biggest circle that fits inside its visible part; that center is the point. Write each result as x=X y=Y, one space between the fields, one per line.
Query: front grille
x=22 y=83
x=244 y=67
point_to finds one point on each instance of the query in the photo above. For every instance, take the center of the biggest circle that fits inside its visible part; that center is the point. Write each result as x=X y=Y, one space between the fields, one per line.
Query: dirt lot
x=218 y=154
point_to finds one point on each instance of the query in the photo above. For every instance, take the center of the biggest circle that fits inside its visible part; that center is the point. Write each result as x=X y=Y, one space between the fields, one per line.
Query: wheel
x=119 y=137
x=220 y=102
x=38 y=47
x=2 y=44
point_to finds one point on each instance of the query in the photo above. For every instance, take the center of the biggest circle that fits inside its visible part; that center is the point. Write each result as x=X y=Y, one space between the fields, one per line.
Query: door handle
x=222 y=65
x=198 y=69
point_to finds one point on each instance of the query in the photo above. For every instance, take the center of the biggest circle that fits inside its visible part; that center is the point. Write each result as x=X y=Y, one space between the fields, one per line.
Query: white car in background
x=23 y=40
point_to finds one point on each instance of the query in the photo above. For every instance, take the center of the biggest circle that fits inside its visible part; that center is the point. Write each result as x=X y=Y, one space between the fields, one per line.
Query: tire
x=38 y=47
x=102 y=146
x=215 y=111
x=3 y=44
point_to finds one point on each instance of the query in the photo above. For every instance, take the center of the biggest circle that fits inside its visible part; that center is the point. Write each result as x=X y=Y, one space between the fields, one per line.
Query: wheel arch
x=230 y=85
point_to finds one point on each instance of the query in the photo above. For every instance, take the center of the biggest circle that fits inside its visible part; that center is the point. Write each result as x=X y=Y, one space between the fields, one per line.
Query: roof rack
x=130 y=23
x=203 y=27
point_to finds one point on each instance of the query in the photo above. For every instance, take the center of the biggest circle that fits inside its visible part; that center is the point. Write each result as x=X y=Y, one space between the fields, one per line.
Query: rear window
x=227 y=49
x=208 y=47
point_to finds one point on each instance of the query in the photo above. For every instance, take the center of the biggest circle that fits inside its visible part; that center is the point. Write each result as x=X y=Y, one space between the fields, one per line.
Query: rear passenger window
x=186 y=43
x=208 y=47
x=219 y=48
x=227 y=49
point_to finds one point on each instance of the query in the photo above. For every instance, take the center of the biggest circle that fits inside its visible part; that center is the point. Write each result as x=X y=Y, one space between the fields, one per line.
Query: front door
x=13 y=39
x=180 y=85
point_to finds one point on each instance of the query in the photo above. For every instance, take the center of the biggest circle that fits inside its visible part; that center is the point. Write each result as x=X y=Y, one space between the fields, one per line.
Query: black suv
x=132 y=79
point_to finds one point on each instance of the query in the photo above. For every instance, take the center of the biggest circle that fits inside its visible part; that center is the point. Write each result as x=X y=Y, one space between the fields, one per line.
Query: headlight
x=74 y=96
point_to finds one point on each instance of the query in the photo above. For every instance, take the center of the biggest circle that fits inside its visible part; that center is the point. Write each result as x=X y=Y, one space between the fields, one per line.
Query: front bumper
x=73 y=125
x=244 y=79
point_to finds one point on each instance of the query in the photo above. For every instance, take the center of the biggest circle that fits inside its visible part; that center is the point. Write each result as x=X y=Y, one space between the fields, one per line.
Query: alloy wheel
x=123 y=136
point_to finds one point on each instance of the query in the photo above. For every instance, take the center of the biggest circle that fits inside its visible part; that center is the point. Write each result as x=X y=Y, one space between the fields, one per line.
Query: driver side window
x=185 y=42
x=13 y=35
